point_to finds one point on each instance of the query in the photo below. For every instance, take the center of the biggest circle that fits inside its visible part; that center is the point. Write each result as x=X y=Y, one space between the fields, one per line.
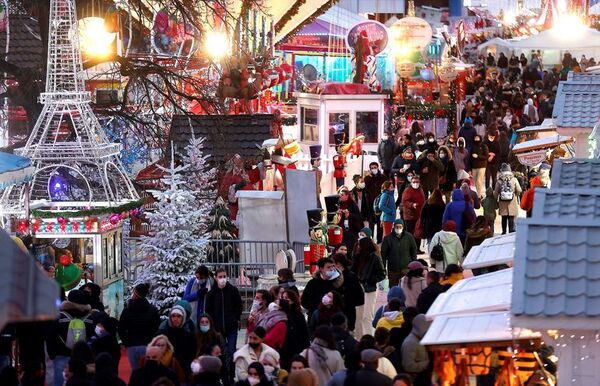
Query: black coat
x=108 y=344
x=449 y=175
x=184 y=344
x=431 y=219
x=482 y=155
x=345 y=343
x=493 y=147
x=428 y=296
x=150 y=373
x=296 y=338
x=138 y=323
x=386 y=152
x=366 y=376
x=353 y=295
x=225 y=307
x=57 y=333
x=207 y=379
x=316 y=288
x=369 y=270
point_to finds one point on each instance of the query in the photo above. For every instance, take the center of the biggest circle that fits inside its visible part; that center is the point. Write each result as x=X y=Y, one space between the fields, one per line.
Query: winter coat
x=225 y=307
x=412 y=196
x=184 y=344
x=460 y=157
x=151 y=372
x=431 y=219
x=428 y=296
x=245 y=355
x=468 y=132
x=527 y=200
x=359 y=196
x=398 y=167
x=387 y=206
x=493 y=147
x=391 y=319
x=455 y=209
x=316 y=288
x=490 y=205
x=109 y=344
x=418 y=284
x=344 y=341
x=398 y=251
x=57 y=333
x=367 y=376
x=431 y=179
x=479 y=162
x=195 y=294
x=386 y=152
x=476 y=236
x=296 y=338
x=324 y=361
x=353 y=294
x=508 y=208
x=448 y=176
x=504 y=146
x=369 y=270
x=414 y=355
x=138 y=323
x=453 y=249
x=207 y=379
x=394 y=292
x=373 y=185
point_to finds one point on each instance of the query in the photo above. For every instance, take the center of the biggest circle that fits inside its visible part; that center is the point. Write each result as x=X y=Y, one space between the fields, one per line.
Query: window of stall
x=338 y=123
x=111 y=255
x=366 y=124
x=118 y=257
x=105 y=258
x=309 y=128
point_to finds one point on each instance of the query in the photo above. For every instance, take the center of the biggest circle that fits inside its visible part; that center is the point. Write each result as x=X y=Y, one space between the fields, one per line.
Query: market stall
x=492 y=252
x=533 y=152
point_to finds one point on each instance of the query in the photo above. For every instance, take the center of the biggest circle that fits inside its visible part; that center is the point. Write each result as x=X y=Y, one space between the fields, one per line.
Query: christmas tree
x=200 y=178
x=221 y=228
x=174 y=248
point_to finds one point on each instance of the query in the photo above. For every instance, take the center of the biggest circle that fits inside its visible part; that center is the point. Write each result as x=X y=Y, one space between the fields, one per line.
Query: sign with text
x=375 y=32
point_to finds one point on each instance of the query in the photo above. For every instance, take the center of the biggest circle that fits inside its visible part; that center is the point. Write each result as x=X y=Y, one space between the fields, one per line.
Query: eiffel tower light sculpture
x=76 y=165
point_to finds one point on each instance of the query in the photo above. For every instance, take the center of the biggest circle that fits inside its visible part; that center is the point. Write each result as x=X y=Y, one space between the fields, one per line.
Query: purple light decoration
x=58 y=187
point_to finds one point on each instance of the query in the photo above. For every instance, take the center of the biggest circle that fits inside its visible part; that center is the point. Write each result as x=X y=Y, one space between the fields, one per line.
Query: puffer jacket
x=391 y=319
x=387 y=206
x=453 y=249
x=57 y=334
x=454 y=211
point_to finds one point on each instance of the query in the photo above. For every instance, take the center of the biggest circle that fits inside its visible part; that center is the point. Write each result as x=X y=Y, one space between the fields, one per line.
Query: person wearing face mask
x=350 y=217
x=493 y=164
x=297 y=337
x=224 y=303
x=206 y=371
x=359 y=196
x=152 y=370
x=105 y=340
x=182 y=339
x=325 y=279
x=275 y=323
x=430 y=142
x=387 y=206
x=370 y=271
x=479 y=160
x=331 y=304
x=431 y=169
x=256 y=376
x=285 y=278
x=207 y=335
x=386 y=152
x=373 y=182
x=137 y=324
x=460 y=155
x=468 y=132
x=262 y=298
x=254 y=351
x=351 y=291
x=403 y=163
x=196 y=289
x=398 y=249
x=448 y=176
x=413 y=200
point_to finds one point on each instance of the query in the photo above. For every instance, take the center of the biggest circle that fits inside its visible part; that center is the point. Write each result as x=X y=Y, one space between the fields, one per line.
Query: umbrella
x=26 y=292
x=14 y=169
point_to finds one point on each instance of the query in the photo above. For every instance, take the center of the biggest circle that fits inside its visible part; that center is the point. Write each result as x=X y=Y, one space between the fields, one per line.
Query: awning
x=484 y=293
x=542 y=143
x=491 y=328
x=14 y=169
x=151 y=172
x=493 y=251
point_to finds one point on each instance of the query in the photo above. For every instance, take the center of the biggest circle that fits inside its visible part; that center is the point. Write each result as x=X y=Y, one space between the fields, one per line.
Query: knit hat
x=77 y=296
x=370 y=355
x=210 y=364
x=414 y=265
x=68 y=276
x=468 y=120
x=179 y=310
x=449 y=226
x=398 y=221
x=505 y=167
x=141 y=290
x=396 y=292
x=367 y=231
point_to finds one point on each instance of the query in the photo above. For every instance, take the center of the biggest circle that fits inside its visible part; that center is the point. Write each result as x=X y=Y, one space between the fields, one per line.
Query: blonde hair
x=169 y=348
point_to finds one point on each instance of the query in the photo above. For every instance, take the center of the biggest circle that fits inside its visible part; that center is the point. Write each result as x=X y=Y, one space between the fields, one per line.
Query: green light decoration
x=91 y=212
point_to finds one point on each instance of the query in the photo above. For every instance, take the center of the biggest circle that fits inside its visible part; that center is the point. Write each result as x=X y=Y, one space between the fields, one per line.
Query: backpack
x=376 y=209
x=76 y=331
x=437 y=252
x=506 y=190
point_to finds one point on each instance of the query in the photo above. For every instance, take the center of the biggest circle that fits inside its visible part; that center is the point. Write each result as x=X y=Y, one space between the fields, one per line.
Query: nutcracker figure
x=317 y=230
x=315 y=163
x=334 y=231
x=339 y=160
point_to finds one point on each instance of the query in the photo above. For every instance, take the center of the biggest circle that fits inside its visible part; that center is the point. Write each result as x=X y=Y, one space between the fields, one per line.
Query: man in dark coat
x=106 y=341
x=325 y=279
x=429 y=294
x=493 y=164
x=431 y=169
x=137 y=325
x=224 y=304
x=386 y=152
x=152 y=370
x=369 y=375
x=397 y=250
x=373 y=182
x=468 y=132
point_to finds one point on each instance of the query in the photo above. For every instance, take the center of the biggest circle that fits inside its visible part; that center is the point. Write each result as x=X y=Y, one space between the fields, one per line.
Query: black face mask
x=281 y=281
x=254 y=345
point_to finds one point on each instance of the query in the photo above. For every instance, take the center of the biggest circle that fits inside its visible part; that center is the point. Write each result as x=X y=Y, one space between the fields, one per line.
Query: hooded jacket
x=448 y=176
x=414 y=355
x=428 y=296
x=394 y=292
x=183 y=341
x=527 y=200
x=387 y=205
x=391 y=319
x=57 y=334
x=195 y=294
x=412 y=196
x=245 y=355
x=138 y=323
x=453 y=249
x=455 y=209
x=460 y=156
x=490 y=205
x=468 y=132
x=316 y=288
x=508 y=208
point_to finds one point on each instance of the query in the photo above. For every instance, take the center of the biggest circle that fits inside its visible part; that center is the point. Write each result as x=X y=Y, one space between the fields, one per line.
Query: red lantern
x=88 y=226
x=62 y=226
x=49 y=227
x=65 y=260
x=76 y=226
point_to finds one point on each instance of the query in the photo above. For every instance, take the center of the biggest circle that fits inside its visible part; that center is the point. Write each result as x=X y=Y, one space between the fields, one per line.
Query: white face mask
x=196 y=368
x=326 y=300
x=253 y=380
x=374 y=171
x=222 y=281
x=360 y=185
x=415 y=185
x=398 y=231
x=346 y=223
x=273 y=307
x=442 y=156
x=98 y=330
x=256 y=305
x=409 y=178
x=384 y=137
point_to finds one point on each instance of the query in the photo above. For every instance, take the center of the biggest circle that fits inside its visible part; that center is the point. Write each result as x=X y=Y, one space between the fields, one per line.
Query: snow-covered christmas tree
x=175 y=248
x=221 y=228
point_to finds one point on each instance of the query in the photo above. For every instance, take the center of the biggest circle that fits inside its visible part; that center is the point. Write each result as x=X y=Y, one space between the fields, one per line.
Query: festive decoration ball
x=60 y=220
x=114 y=219
x=65 y=260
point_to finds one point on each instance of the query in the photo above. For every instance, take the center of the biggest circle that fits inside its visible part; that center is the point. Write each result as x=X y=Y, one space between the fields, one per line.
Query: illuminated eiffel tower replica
x=76 y=165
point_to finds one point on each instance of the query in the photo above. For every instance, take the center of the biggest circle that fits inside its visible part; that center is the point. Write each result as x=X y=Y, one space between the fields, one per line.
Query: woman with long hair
x=331 y=304
x=351 y=290
x=167 y=358
x=297 y=337
x=370 y=271
x=207 y=335
x=431 y=215
x=413 y=283
x=322 y=356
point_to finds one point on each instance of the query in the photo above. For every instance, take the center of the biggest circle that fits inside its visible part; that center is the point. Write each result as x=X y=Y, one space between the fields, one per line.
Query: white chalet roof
x=493 y=251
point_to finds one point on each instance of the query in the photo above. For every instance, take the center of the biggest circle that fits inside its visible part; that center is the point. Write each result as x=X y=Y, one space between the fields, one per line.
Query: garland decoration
x=321 y=10
x=293 y=11
x=289 y=121
x=452 y=96
x=427 y=111
x=90 y=212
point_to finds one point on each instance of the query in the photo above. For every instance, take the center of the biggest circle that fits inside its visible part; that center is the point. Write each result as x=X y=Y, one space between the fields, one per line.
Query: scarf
x=452 y=279
x=318 y=348
x=167 y=359
x=269 y=320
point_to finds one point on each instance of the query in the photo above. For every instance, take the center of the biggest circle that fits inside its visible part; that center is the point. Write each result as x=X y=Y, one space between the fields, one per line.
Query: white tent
x=496 y=45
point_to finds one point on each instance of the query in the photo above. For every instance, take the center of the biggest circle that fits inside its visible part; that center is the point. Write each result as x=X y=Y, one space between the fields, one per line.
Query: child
x=490 y=205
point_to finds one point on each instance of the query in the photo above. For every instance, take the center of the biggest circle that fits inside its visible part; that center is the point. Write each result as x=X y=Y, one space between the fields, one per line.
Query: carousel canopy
x=493 y=251
x=484 y=293
x=505 y=46
x=556 y=39
x=14 y=169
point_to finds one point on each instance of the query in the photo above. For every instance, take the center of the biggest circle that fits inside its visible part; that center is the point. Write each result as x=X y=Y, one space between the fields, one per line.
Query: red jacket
x=276 y=336
x=409 y=197
x=339 y=163
x=527 y=200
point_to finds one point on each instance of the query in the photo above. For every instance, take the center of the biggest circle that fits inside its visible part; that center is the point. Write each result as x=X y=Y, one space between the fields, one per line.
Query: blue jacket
x=197 y=296
x=468 y=132
x=454 y=211
x=387 y=204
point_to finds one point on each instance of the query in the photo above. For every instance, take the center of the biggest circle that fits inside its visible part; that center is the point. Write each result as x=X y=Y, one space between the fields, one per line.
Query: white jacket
x=453 y=249
x=246 y=355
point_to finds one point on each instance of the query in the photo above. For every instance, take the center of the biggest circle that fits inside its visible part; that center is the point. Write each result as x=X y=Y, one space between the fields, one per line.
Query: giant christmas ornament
x=447 y=72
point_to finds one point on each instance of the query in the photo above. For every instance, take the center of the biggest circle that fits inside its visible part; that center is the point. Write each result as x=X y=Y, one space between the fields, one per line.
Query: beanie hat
x=396 y=292
x=398 y=221
x=177 y=309
x=77 y=296
x=141 y=290
x=210 y=364
x=505 y=167
x=68 y=276
x=449 y=226
x=367 y=231
x=468 y=120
